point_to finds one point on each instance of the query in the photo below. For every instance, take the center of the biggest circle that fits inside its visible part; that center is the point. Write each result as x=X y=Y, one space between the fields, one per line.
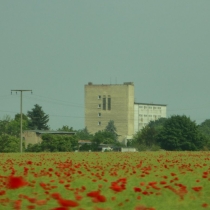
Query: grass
x=130 y=181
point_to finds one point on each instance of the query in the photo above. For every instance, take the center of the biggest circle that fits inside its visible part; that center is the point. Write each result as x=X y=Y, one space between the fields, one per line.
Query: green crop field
x=99 y=181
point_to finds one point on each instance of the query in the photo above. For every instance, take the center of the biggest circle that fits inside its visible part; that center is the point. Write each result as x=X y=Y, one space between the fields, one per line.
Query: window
x=145 y=115
x=109 y=102
x=140 y=107
x=145 y=107
x=99 y=97
x=154 y=107
x=99 y=123
x=99 y=114
x=104 y=102
x=99 y=105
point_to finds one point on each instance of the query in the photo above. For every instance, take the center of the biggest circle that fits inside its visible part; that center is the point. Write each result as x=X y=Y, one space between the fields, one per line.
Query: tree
x=24 y=117
x=148 y=136
x=111 y=128
x=103 y=137
x=84 y=134
x=9 y=143
x=157 y=124
x=145 y=139
x=97 y=140
x=66 y=128
x=204 y=128
x=38 y=119
x=11 y=126
x=54 y=143
x=34 y=148
x=180 y=133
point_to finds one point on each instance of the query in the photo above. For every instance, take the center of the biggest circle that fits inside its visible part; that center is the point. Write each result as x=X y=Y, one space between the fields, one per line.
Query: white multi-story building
x=144 y=113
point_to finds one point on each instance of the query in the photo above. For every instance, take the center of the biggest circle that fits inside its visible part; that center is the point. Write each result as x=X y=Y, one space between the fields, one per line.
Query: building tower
x=110 y=102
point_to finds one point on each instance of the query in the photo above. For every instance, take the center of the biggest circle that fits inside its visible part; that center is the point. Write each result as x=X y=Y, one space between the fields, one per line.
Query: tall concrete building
x=144 y=113
x=110 y=102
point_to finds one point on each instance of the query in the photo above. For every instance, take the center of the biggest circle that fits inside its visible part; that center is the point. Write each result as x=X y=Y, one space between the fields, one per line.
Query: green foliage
x=84 y=134
x=25 y=119
x=34 y=148
x=9 y=143
x=146 y=136
x=97 y=140
x=144 y=139
x=55 y=143
x=66 y=128
x=38 y=119
x=11 y=126
x=204 y=128
x=85 y=147
x=111 y=128
x=180 y=133
x=157 y=124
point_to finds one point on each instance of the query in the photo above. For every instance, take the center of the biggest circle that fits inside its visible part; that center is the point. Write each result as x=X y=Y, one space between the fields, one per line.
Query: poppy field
x=105 y=181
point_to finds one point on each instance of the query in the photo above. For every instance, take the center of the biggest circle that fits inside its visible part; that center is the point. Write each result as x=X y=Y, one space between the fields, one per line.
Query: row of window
x=106 y=102
x=145 y=115
x=149 y=107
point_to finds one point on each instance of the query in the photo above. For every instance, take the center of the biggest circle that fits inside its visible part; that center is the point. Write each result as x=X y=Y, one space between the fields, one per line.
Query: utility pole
x=21 y=95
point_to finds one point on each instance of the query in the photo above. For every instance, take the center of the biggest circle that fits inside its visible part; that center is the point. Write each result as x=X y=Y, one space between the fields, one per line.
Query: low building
x=35 y=136
x=128 y=149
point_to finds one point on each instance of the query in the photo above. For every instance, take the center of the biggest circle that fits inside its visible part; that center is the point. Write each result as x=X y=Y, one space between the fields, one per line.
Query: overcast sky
x=56 y=47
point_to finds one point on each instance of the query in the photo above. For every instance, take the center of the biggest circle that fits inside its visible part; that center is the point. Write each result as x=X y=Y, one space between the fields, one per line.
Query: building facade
x=144 y=113
x=110 y=102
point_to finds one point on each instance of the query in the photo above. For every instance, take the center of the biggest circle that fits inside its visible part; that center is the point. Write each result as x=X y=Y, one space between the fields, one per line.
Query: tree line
x=37 y=119
x=176 y=133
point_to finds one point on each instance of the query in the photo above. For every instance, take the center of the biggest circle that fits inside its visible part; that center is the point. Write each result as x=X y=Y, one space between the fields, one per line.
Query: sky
x=56 y=47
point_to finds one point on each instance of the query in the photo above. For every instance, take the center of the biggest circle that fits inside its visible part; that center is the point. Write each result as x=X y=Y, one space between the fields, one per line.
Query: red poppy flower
x=17 y=204
x=141 y=208
x=56 y=196
x=163 y=182
x=78 y=197
x=137 y=189
x=41 y=202
x=205 y=205
x=2 y=192
x=93 y=193
x=61 y=208
x=197 y=189
x=67 y=203
x=101 y=198
x=15 y=182
x=31 y=207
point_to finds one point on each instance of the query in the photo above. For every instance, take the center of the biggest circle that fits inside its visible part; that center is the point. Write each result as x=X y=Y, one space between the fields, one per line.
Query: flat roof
x=151 y=104
x=125 y=83
x=51 y=132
